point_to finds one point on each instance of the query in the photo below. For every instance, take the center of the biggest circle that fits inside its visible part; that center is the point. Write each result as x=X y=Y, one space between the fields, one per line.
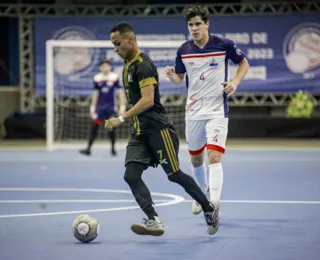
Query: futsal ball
x=85 y=228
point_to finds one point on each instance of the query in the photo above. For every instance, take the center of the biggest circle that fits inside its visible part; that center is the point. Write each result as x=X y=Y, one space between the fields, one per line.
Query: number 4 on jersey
x=202 y=76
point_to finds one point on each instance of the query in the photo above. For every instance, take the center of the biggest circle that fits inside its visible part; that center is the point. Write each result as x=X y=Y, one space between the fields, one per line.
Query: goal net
x=70 y=67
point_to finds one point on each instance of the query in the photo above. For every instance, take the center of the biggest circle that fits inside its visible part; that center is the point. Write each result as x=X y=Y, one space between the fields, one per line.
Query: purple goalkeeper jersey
x=106 y=84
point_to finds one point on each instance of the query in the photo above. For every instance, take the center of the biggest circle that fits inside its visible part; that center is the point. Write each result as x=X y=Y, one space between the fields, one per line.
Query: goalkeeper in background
x=108 y=100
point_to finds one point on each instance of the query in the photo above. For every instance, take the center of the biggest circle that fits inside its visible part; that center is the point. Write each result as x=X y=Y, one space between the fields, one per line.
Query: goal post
x=70 y=67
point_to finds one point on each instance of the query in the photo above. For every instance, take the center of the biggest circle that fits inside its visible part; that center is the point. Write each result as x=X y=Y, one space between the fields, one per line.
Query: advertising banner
x=283 y=50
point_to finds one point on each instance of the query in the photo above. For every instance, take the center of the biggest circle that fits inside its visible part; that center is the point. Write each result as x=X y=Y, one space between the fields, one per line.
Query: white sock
x=200 y=176
x=215 y=181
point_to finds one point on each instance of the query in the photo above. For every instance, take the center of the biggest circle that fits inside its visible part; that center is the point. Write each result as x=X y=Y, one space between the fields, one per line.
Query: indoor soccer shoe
x=148 y=227
x=212 y=219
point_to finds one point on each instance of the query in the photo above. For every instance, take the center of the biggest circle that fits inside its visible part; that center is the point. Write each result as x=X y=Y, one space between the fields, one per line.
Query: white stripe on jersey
x=206 y=73
x=202 y=55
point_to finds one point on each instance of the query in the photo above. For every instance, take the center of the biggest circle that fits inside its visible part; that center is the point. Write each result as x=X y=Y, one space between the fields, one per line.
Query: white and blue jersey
x=206 y=69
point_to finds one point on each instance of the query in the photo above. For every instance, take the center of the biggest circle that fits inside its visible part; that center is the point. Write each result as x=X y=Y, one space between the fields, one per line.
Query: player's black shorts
x=153 y=149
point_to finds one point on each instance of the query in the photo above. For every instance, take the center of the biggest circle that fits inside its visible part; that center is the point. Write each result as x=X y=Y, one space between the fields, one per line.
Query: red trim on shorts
x=97 y=122
x=215 y=148
x=198 y=151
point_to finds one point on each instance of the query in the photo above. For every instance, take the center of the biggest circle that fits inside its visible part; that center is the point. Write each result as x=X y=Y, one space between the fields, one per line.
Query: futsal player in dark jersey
x=153 y=139
x=107 y=101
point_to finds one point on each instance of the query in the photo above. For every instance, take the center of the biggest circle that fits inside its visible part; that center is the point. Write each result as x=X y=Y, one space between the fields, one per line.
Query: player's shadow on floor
x=155 y=241
x=89 y=244
x=93 y=243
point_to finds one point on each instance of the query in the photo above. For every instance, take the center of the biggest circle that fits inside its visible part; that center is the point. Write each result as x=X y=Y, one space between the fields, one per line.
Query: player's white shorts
x=209 y=133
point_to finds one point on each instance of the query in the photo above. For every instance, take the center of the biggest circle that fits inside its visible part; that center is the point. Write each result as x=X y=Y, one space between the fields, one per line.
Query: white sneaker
x=196 y=208
x=148 y=227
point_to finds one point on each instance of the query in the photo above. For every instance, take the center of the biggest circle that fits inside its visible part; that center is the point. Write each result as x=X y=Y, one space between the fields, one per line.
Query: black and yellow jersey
x=138 y=73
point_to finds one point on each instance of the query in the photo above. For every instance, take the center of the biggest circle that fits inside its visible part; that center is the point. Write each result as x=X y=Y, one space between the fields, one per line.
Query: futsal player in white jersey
x=204 y=61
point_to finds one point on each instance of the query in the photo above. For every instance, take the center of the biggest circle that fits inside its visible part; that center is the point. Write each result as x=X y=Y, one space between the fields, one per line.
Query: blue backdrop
x=283 y=50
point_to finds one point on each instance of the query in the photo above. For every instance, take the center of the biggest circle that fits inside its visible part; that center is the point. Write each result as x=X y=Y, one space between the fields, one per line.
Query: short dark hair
x=105 y=62
x=122 y=28
x=194 y=11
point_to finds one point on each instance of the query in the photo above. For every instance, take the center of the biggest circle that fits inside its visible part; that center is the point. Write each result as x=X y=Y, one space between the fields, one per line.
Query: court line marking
x=248 y=146
x=175 y=200
x=311 y=202
x=27 y=189
x=184 y=160
x=72 y=201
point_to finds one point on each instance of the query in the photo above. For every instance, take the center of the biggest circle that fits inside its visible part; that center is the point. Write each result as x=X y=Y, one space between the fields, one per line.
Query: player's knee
x=175 y=176
x=133 y=172
x=214 y=156
x=196 y=160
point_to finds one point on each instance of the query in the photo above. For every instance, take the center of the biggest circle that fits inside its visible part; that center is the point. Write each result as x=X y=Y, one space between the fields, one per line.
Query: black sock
x=112 y=136
x=139 y=189
x=192 y=188
x=150 y=212
x=93 y=134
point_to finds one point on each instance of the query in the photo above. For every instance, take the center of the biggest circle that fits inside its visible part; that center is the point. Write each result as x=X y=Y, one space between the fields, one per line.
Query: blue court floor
x=269 y=211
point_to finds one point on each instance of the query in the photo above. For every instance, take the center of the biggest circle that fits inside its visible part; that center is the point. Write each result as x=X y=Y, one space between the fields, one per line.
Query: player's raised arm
x=237 y=57
x=242 y=71
x=176 y=74
x=175 y=78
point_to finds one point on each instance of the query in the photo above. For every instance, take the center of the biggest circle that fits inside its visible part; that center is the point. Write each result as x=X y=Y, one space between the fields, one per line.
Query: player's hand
x=111 y=123
x=168 y=71
x=229 y=87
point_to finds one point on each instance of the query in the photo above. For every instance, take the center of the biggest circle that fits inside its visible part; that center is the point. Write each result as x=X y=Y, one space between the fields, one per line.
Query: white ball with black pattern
x=85 y=228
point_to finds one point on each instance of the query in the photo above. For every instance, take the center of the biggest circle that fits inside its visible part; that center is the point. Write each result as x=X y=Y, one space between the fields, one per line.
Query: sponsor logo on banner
x=73 y=62
x=301 y=49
